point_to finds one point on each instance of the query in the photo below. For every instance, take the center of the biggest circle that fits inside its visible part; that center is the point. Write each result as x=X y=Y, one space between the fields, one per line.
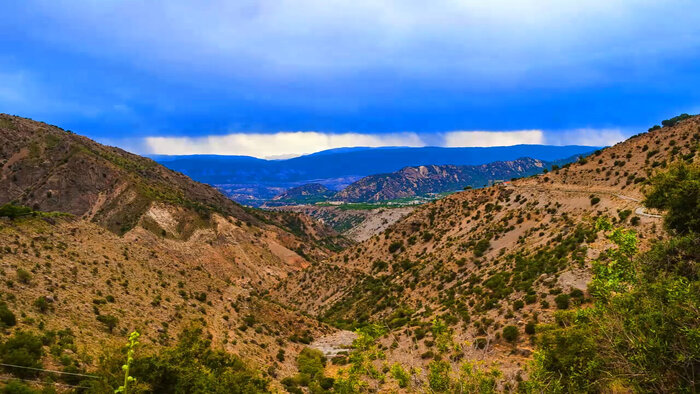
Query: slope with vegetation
x=97 y=242
x=492 y=267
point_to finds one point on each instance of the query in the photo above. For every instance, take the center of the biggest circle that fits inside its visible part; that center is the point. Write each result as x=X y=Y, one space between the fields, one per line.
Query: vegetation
x=678 y=192
x=643 y=332
x=190 y=366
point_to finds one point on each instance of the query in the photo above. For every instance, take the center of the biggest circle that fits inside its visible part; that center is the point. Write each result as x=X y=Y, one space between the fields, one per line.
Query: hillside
x=483 y=259
x=305 y=194
x=112 y=242
x=423 y=180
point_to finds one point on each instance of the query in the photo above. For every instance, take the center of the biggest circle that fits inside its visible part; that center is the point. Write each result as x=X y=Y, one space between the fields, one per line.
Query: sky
x=278 y=78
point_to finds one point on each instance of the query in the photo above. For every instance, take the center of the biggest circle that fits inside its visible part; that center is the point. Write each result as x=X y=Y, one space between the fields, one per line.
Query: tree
x=678 y=192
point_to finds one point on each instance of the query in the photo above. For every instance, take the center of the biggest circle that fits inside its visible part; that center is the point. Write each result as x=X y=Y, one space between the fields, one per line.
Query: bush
x=192 y=366
x=7 y=318
x=678 y=192
x=109 y=321
x=17 y=387
x=439 y=376
x=23 y=276
x=14 y=211
x=311 y=362
x=595 y=200
x=481 y=247
x=395 y=246
x=510 y=333
x=25 y=349
x=402 y=377
x=530 y=328
x=42 y=304
x=562 y=301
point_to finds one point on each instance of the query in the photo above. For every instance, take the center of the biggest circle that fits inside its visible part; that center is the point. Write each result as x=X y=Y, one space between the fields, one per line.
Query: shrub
x=24 y=349
x=23 y=276
x=192 y=366
x=109 y=321
x=395 y=246
x=311 y=362
x=677 y=191
x=530 y=328
x=439 y=376
x=481 y=247
x=510 y=333
x=562 y=301
x=14 y=211
x=7 y=318
x=595 y=200
x=402 y=377
x=42 y=304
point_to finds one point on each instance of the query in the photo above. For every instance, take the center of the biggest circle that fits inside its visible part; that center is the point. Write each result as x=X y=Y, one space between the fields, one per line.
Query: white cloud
x=586 y=136
x=290 y=144
x=493 y=138
x=282 y=144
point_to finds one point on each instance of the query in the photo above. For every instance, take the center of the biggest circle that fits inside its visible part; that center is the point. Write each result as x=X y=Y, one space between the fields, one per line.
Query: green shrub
x=24 y=349
x=395 y=246
x=402 y=377
x=109 y=321
x=14 y=211
x=192 y=366
x=595 y=200
x=481 y=247
x=677 y=191
x=23 y=276
x=510 y=333
x=562 y=301
x=7 y=318
x=530 y=328
x=439 y=376
x=42 y=304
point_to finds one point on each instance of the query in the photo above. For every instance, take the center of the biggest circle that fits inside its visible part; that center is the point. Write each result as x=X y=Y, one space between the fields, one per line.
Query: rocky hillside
x=422 y=180
x=484 y=259
x=110 y=242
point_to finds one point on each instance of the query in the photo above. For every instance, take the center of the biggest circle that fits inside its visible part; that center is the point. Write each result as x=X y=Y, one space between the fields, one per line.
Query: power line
x=51 y=371
x=44 y=383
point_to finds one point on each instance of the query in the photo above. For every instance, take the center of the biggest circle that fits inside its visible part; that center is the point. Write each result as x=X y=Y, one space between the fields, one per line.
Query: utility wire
x=48 y=370
x=44 y=383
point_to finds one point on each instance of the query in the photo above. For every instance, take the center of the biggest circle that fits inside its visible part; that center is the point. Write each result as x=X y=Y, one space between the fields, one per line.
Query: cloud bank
x=290 y=144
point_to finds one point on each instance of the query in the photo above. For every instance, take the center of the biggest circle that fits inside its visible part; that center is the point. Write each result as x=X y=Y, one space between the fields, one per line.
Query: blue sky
x=279 y=77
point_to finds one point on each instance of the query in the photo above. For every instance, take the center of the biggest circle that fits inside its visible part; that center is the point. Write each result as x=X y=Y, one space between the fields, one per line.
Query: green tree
x=678 y=192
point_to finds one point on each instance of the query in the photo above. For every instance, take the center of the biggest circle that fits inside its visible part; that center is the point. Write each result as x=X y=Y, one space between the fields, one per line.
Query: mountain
x=463 y=268
x=422 y=180
x=253 y=181
x=305 y=194
x=98 y=242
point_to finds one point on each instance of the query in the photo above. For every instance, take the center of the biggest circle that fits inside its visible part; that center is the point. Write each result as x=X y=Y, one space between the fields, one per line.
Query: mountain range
x=253 y=181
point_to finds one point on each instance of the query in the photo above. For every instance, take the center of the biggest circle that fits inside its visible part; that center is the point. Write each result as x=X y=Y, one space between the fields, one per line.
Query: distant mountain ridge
x=415 y=181
x=422 y=180
x=252 y=181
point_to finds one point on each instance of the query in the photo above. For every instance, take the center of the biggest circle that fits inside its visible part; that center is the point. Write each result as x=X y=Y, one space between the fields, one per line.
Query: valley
x=307 y=296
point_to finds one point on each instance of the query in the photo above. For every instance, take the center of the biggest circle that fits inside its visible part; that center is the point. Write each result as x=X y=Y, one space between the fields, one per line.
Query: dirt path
x=641 y=211
x=333 y=344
